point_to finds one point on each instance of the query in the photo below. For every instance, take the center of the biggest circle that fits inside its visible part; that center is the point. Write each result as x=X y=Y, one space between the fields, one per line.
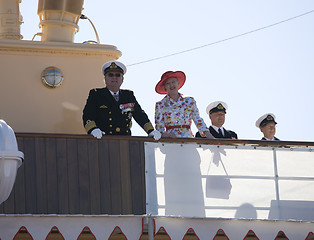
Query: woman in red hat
x=174 y=113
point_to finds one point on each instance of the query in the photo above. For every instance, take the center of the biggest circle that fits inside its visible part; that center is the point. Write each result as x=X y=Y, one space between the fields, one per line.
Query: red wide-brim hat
x=160 y=88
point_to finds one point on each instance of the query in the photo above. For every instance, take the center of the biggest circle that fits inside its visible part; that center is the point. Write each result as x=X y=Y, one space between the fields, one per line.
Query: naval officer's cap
x=216 y=107
x=113 y=66
x=266 y=118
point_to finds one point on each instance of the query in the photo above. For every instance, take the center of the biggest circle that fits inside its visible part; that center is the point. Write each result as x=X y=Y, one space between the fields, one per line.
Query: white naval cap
x=266 y=118
x=216 y=107
x=113 y=65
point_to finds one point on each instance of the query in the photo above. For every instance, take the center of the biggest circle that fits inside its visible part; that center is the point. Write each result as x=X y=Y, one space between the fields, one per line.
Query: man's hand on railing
x=155 y=134
x=97 y=133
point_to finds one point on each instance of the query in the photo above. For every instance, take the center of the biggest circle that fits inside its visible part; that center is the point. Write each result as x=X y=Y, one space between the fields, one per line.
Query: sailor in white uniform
x=267 y=125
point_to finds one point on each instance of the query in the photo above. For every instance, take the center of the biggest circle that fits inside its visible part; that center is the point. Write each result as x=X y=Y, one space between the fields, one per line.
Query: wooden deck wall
x=78 y=175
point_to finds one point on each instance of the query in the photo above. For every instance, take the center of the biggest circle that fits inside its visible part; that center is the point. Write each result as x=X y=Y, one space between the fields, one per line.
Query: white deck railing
x=237 y=182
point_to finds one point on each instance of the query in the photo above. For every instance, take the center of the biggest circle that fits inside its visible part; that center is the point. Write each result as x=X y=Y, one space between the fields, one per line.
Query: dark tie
x=220 y=132
x=116 y=97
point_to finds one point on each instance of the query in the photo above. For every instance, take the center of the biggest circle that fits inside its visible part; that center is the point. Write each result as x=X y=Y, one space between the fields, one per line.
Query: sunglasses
x=114 y=74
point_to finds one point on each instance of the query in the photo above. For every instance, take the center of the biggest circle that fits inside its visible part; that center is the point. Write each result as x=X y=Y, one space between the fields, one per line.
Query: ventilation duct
x=59 y=19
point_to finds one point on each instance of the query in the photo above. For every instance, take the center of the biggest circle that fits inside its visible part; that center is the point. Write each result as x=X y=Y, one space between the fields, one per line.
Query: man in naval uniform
x=267 y=125
x=217 y=111
x=110 y=110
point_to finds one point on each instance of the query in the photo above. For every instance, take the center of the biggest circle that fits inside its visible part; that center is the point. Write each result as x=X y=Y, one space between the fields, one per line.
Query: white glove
x=155 y=134
x=97 y=133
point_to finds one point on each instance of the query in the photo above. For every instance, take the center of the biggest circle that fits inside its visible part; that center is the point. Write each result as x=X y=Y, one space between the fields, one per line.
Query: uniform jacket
x=227 y=134
x=114 y=118
x=275 y=139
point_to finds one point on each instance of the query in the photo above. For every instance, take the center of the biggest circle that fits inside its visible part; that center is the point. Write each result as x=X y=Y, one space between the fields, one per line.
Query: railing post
x=276 y=180
x=150 y=227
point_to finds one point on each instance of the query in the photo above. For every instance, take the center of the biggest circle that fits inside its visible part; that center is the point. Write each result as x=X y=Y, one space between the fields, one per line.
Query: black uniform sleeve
x=89 y=112
x=233 y=134
x=198 y=135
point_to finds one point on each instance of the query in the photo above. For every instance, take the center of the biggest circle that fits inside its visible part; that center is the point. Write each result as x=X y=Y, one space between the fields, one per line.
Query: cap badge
x=113 y=65
x=269 y=118
x=220 y=106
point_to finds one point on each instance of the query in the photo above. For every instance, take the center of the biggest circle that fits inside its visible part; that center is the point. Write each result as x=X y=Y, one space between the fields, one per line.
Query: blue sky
x=270 y=70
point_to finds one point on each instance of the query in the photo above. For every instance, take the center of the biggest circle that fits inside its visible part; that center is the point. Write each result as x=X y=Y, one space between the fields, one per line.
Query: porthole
x=52 y=77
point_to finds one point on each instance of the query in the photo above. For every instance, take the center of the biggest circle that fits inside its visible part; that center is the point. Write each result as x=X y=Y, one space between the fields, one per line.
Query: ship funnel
x=10 y=19
x=59 y=19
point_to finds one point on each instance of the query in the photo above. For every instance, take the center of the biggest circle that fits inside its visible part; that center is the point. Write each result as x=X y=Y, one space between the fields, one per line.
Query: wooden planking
x=125 y=178
x=52 y=175
x=8 y=206
x=83 y=174
x=2 y=207
x=76 y=176
x=94 y=184
x=84 y=193
x=62 y=176
x=142 y=174
x=115 y=177
x=41 y=175
x=19 y=185
x=30 y=175
x=104 y=177
x=137 y=175
x=73 y=178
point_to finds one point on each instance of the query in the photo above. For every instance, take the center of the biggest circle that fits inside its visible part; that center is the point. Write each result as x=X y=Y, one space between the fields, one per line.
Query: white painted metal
x=234 y=229
x=244 y=182
x=70 y=226
x=10 y=160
